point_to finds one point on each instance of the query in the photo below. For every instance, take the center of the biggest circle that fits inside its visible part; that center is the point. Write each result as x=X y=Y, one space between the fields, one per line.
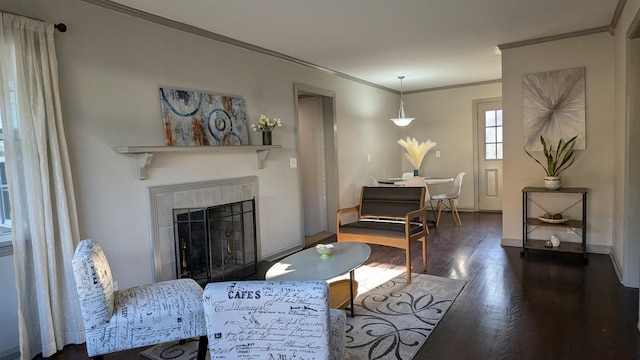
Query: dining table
x=428 y=179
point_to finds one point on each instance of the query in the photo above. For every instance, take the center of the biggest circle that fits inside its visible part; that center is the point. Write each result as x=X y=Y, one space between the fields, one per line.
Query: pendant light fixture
x=401 y=120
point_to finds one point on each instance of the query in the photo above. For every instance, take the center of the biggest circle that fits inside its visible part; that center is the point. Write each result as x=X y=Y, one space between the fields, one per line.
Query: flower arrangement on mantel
x=416 y=151
x=266 y=124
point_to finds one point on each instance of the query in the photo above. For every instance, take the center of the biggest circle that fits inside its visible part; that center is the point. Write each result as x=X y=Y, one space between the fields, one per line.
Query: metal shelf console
x=571 y=247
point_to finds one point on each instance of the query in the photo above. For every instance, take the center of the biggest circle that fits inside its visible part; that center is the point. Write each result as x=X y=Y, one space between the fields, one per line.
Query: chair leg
x=454 y=211
x=424 y=252
x=202 y=347
x=408 y=254
x=439 y=209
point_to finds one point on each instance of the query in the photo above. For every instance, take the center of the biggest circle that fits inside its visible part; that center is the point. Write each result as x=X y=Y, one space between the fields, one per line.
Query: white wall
x=446 y=117
x=8 y=310
x=593 y=167
x=626 y=244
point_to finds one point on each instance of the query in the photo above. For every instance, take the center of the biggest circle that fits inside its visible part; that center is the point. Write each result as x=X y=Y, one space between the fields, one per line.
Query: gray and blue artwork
x=194 y=118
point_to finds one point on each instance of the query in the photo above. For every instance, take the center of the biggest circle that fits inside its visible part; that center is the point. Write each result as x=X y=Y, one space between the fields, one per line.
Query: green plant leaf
x=558 y=160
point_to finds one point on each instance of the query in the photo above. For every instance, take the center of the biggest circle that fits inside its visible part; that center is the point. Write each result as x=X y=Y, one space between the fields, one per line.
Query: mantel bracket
x=142 y=161
x=261 y=155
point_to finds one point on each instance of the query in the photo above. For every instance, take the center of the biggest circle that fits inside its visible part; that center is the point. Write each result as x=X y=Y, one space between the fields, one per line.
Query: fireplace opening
x=216 y=243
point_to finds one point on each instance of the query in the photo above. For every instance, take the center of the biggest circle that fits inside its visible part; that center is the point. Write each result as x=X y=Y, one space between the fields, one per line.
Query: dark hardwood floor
x=543 y=306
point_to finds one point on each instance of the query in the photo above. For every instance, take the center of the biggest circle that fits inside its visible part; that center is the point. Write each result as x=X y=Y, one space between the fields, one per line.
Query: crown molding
x=617 y=13
x=585 y=32
x=495 y=81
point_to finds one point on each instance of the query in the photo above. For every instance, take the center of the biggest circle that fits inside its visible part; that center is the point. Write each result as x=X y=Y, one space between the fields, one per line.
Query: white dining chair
x=450 y=197
x=419 y=181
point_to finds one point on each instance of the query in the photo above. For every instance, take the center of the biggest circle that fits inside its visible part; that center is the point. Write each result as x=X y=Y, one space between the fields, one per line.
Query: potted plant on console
x=558 y=160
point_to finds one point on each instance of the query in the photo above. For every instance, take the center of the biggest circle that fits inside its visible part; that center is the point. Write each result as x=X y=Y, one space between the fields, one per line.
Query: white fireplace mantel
x=142 y=155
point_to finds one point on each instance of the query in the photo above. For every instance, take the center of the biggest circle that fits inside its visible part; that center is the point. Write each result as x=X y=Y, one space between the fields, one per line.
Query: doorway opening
x=317 y=165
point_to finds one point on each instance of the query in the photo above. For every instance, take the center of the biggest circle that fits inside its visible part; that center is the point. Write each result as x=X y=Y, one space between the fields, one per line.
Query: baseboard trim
x=281 y=254
x=616 y=266
x=10 y=354
x=592 y=249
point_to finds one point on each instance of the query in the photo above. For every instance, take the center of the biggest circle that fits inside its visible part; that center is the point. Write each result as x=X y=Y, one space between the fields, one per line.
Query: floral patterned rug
x=393 y=320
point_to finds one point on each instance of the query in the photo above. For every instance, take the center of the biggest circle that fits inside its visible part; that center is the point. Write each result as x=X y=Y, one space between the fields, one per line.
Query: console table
x=532 y=223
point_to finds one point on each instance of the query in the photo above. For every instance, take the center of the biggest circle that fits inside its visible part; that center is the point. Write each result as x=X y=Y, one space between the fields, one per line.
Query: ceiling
x=434 y=43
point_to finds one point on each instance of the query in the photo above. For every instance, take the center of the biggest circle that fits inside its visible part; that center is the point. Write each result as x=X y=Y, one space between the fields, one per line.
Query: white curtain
x=45 y=225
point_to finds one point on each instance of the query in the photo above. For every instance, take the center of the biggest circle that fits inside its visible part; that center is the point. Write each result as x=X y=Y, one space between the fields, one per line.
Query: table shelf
x=565 y=246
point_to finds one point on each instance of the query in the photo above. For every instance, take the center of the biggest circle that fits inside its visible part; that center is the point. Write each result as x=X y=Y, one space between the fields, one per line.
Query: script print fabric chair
x=450 y=198
x=134 y=317
x=273 y=320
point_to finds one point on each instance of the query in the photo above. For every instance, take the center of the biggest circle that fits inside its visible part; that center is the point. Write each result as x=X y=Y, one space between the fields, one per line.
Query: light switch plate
x=293 y=163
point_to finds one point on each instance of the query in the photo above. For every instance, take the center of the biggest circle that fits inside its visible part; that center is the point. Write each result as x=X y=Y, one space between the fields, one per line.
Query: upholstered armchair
x=273 y=320
x=138 y=316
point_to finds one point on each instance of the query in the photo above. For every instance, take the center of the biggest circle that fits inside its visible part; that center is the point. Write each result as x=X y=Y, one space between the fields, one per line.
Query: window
x=5 y=209
x=493 y=135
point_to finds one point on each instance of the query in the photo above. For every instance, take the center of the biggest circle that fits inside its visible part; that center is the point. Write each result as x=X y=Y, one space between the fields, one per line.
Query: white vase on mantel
x=552 y=182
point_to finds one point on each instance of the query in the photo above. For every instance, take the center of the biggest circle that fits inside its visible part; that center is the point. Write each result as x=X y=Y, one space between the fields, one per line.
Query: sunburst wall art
x=554 y=107
x=192 y=118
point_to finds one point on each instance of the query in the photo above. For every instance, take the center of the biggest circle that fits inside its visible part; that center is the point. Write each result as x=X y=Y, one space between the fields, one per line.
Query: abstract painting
x=194 y=118
x=554 y=107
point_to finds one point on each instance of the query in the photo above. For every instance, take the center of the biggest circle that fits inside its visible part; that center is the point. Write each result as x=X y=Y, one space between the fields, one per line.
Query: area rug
x=393 y=319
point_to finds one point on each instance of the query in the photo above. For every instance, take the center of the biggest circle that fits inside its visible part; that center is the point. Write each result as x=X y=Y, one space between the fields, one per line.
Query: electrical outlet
x=293 y=163
x=437 y=153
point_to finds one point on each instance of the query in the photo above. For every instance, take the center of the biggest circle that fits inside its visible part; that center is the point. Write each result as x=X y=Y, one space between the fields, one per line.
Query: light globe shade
x=402 y=121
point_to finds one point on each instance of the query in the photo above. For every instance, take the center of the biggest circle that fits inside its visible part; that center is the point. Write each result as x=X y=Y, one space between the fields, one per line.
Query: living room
x=111 y=66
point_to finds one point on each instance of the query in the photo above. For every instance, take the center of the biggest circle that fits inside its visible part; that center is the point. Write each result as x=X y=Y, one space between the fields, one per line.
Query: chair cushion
x=94 y=283
x=151 y=314
x=338 y=334
x=268 y=319
x=389 y=229
x=393 y=201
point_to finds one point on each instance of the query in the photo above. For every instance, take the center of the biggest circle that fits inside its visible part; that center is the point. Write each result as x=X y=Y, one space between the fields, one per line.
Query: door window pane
x=493 y=134
x=490 y=153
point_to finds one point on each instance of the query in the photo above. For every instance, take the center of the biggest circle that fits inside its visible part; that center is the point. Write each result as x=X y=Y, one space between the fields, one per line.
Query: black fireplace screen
x=217 y=243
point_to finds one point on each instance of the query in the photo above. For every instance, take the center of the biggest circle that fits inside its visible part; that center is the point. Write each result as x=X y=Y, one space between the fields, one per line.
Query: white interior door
x=490 y=153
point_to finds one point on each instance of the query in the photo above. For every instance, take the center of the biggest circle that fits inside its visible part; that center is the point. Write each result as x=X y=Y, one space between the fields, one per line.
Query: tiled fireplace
x=228 y=206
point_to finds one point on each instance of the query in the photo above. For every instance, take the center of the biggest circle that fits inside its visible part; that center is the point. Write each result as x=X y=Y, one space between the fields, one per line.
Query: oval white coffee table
x=308 y=265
